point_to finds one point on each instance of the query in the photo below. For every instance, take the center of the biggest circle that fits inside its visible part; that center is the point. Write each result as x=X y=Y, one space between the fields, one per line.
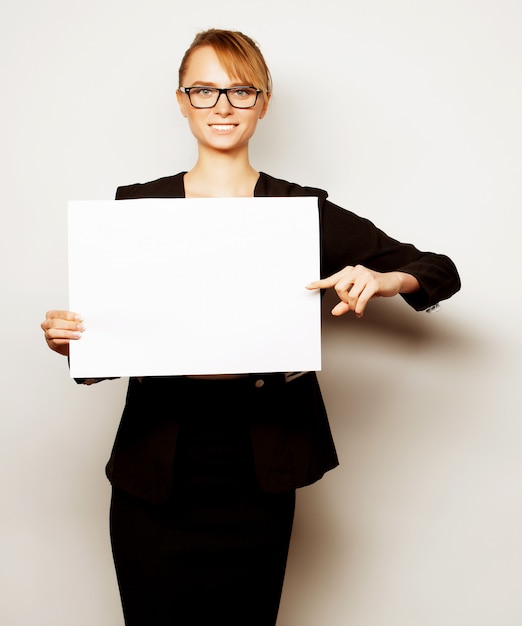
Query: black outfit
x=215 y=551
x=204 y=472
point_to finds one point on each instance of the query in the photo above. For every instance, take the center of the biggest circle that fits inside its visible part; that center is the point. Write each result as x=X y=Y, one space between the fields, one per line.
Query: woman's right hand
x=60 y=327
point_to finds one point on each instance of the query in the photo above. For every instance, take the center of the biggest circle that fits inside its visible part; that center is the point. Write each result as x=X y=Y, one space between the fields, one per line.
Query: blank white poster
x=194 y=286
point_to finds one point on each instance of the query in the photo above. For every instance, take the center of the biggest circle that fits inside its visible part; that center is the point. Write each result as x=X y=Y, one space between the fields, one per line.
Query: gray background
x=407 y=112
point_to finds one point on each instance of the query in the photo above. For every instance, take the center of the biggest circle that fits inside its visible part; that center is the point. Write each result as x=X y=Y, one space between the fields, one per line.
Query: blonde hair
x=238 y=54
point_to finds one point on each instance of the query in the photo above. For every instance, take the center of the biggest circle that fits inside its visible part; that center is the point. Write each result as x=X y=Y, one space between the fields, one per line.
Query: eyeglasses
x=202 y=97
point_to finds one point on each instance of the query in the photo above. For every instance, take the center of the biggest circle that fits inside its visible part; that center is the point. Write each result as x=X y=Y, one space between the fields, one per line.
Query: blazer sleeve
x=347 y=239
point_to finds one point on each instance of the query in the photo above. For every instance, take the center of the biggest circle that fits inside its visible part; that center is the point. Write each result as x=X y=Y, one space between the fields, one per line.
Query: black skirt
x=216 y=552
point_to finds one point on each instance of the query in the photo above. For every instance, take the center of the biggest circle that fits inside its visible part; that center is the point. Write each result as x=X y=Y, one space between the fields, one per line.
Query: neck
x=221 y=176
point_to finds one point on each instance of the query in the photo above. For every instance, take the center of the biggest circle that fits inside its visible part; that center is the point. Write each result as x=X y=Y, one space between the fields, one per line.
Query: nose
x=223 y=105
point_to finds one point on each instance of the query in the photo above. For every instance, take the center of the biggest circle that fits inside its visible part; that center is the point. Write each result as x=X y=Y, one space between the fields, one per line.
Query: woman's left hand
x=357 y=285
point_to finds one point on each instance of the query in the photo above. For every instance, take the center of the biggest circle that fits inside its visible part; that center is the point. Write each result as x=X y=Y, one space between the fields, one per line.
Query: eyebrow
x=204 y=83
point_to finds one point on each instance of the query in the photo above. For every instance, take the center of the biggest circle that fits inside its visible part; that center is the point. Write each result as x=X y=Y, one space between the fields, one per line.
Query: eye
x=204 y=92
x=243 y=92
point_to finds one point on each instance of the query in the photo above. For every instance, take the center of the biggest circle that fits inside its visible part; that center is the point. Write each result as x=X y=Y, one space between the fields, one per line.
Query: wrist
x=407 y=282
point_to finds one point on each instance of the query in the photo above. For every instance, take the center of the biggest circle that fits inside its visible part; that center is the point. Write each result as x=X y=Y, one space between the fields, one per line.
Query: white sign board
x=194 y=286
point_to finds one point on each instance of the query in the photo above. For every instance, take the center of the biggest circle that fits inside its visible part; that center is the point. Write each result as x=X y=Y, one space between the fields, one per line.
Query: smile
x=222 y=127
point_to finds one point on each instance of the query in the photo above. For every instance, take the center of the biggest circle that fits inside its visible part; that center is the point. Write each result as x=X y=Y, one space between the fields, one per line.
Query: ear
x=264 y=108
x=182 y=102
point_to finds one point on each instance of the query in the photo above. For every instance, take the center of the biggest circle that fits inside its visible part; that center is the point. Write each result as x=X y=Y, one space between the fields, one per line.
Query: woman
x=204 y=469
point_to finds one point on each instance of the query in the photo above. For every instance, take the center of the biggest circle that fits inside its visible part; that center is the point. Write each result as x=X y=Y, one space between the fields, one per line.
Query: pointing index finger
x=321 y=284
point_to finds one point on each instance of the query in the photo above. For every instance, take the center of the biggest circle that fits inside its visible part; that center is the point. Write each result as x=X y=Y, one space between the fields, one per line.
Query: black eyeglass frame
x=221 y=91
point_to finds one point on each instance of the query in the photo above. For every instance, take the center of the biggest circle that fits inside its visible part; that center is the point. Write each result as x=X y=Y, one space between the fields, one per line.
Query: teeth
x=223 y=126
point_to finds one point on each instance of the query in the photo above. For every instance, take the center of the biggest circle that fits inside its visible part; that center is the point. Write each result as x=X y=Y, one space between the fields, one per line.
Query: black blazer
x=291 y=438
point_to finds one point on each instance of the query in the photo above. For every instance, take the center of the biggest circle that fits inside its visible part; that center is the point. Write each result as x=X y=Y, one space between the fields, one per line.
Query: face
x=223 y=127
